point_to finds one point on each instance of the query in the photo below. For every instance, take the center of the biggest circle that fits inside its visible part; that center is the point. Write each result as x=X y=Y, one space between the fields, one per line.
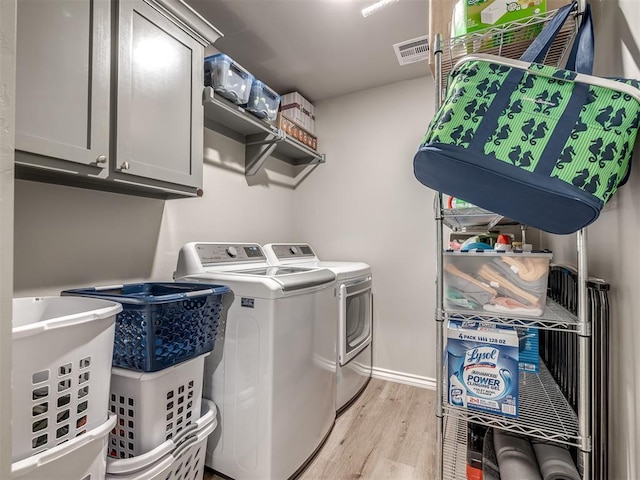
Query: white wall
x=7 y=136
x=234 y=208
x=366 y=205
x=70 y=237
x=611 y=247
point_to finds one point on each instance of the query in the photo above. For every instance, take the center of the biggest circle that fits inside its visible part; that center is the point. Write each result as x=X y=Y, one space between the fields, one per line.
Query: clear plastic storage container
x=228 y=78
x=62 y=349
x=263 y=102
x=161 y=324
x=505 y=283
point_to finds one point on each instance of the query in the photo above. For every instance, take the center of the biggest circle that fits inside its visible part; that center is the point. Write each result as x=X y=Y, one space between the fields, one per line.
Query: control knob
x=232 y=252
x=293 y=250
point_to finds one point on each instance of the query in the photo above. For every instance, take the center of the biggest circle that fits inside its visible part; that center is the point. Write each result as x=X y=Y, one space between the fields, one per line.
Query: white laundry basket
x=62 y=349
x=82 y=458
x=153 y=407
x=180 y=458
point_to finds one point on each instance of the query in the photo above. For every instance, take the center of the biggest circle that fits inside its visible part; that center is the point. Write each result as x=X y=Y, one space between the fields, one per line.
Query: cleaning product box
x=528 y=349
x=472 y=15
x=482 y=367
x=528 y=345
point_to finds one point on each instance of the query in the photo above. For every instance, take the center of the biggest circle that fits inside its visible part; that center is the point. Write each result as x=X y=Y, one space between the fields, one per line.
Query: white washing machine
x=271 y=371
x=353 y=313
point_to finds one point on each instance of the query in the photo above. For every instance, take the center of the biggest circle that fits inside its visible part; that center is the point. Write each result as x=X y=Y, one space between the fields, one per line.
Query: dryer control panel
x=296 y=250
x=220 y=253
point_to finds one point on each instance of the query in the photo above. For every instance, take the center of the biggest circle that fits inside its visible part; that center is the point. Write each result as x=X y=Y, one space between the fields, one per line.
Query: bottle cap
x=504 y=239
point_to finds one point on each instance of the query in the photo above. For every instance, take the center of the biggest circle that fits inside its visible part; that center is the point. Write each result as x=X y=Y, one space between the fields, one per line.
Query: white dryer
x=353 y=313
x=271 y=371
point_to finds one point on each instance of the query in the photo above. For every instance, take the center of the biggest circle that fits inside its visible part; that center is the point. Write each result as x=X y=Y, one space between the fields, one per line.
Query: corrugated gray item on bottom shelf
x=490 y=469
x=516 y=458
x=555 y=462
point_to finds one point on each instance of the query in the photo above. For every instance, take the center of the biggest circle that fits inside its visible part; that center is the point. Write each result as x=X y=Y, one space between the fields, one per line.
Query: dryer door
x=355 y=318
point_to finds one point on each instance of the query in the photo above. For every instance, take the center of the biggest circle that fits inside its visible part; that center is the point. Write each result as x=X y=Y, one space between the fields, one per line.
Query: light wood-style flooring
x=388 y=433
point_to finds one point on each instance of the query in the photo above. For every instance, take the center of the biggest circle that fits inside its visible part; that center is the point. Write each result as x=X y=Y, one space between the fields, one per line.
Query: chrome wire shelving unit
x=546 y=411
x=550 y=399
x=560 y=414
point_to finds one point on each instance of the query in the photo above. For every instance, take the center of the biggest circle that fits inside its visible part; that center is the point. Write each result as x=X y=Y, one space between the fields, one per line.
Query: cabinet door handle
x=124 y=166
x=101 y=159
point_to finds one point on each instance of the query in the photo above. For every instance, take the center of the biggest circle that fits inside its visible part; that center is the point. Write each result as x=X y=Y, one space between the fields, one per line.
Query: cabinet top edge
x=205 y=32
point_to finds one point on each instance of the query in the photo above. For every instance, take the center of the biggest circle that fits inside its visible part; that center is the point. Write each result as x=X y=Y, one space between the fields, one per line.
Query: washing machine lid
x=272 y=270
x=290 y=278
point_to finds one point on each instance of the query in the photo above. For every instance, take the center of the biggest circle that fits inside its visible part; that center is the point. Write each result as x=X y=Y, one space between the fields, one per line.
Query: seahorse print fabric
x=594 y=155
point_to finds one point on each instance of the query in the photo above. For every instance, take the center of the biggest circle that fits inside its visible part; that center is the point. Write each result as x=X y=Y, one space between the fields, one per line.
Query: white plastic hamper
x=82 y=458
x=181 y=458
x=62 y=348
x=153 y=407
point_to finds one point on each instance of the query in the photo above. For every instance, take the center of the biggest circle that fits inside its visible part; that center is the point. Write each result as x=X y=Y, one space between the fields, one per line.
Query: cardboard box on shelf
x=299 y=110
x=293 y=130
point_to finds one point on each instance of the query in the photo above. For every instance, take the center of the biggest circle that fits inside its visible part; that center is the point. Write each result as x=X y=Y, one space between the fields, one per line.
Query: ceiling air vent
x=413 y=50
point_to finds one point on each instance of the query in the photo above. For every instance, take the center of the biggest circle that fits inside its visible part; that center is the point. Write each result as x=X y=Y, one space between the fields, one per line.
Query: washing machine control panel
x=298 y=250
x=216 y=253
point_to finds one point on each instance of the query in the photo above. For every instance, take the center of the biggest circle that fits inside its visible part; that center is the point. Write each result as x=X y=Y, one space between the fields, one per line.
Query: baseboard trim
x=405 y=378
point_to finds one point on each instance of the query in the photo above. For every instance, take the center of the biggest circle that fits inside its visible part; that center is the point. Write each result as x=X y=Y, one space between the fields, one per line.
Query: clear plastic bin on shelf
x=153 y=407
x=161 y=324
x=263 y=102
x=511 y=283
x=180 y=458
x=228 y=78
x=62 y=348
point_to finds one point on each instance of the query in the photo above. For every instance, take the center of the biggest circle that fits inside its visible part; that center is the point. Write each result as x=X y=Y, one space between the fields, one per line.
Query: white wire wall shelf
x=543 y=413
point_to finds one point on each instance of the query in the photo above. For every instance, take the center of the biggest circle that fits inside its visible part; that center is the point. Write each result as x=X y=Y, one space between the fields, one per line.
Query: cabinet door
x=159 y=100
x=62 y=87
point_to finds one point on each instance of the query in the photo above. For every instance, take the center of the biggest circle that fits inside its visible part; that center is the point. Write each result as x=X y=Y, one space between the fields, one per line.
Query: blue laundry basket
x=161 y=324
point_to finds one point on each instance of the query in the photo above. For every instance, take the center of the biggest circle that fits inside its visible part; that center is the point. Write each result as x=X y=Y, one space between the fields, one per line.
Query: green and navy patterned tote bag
x=556 y=143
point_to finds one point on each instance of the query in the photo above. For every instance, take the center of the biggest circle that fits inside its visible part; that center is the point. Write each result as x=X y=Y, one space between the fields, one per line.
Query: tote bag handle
x=581 y=55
